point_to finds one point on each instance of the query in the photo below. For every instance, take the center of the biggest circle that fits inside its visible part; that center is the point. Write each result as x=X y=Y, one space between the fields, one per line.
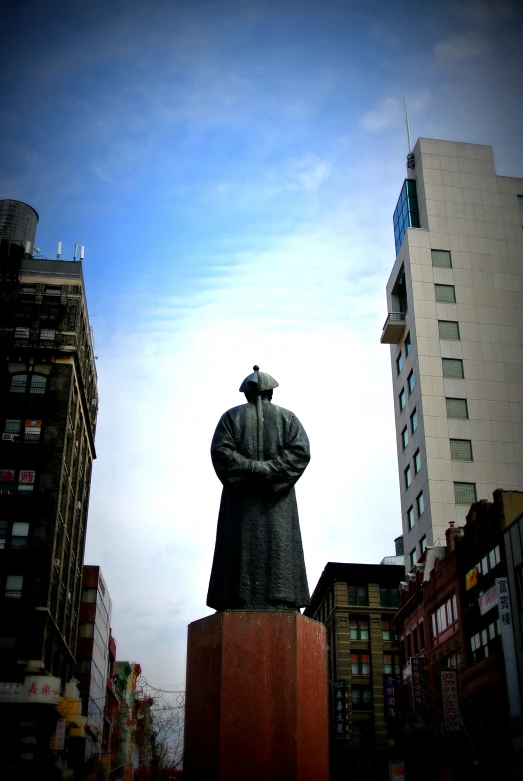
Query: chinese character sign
x=7 y=475
x=417 y=680
x=390 y=692
x=341 y=711
x=509 y=646
x=26 y=477
x=449 y=693
x=42 y=689
x=60 y=734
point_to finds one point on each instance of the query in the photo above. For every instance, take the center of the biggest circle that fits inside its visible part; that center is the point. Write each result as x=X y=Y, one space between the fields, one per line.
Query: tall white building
x=455 y=329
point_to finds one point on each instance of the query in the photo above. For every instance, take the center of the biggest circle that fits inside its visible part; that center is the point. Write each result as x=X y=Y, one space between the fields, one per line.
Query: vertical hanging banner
x=390 y=693
x=449 y=693
x=341 y=711
x=60 y=734
x=417 y=679
x=509 y=647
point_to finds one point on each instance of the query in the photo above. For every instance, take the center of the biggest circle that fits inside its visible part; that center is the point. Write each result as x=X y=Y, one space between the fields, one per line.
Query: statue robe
x=258 y=558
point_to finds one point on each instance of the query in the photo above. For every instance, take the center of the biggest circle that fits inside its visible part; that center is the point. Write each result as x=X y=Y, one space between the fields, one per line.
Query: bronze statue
x=259 y=451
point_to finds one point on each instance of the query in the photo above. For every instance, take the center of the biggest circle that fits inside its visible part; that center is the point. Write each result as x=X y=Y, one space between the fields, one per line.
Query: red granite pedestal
x=256 y=698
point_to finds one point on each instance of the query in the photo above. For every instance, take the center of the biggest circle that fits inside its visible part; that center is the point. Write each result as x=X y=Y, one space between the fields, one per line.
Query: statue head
x=258 y=384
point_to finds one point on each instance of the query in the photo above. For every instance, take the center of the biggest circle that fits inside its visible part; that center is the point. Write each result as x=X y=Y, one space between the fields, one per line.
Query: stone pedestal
x=256 y=698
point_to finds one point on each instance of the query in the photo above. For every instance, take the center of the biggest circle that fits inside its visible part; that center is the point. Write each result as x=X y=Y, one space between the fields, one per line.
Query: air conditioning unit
x=8 y=437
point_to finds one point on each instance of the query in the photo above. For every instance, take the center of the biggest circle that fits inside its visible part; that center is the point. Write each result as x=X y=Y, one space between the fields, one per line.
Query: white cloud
x=461 y=47
x=391 y=112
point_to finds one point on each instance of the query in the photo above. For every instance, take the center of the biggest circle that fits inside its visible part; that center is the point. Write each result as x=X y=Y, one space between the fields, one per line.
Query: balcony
x=393 y=328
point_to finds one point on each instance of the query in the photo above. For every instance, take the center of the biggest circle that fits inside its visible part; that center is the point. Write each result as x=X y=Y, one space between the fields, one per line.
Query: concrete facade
x=455 y=327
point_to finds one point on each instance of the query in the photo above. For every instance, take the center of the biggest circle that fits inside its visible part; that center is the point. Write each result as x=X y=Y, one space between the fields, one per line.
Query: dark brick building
x=48 y=410
x=357 y=603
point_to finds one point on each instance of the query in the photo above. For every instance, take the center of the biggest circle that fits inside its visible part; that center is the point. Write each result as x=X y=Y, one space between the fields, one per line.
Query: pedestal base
x=256 y=698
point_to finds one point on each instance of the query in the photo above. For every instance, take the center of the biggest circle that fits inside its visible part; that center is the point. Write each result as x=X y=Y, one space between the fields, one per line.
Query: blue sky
x=232 y=169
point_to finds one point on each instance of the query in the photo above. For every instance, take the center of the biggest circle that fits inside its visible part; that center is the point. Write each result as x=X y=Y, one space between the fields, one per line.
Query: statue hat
x=260 y=380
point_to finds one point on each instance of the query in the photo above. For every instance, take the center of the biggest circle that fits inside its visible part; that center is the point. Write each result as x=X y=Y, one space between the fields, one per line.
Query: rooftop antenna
x=75 y=251
x=82 y=252
x=59 y=252
x=410 y=157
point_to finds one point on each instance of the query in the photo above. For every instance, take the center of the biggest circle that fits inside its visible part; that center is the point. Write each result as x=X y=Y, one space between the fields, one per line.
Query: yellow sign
x=471 y=579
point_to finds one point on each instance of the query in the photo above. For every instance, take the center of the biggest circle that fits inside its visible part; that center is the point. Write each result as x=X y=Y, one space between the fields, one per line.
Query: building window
x=453 y=367
x=389 y=597
x=520 y=202
x=441 y=258
x=457 y=408
x=408 y=476
x=406 y=214
x=464 y=493
x=47 y=334
x=402 y=399
x=417 y=462
x=12 y=430
x=21 y=335
x=461 y=450
x=358 y=595
x=408 y=344
x=359 y=628
x=448 y=329
x=360 y=663
x=414 y=421
x=361 y=696
x=13 y=586
x=86 y=630
x=445 y=294
x=386 y=628
x=420 y=504
x=89 y=594
x=444 y=617
x=421 y=627
x=391 y=664
x=423 y=544
x=362 y=737
x=19 y=534
x=413 y=558
x=410 y=517
x=411 y=381
x=28 y=289
x=52 y=291
x=399 y=363
x=405 y=437
x=20 y=384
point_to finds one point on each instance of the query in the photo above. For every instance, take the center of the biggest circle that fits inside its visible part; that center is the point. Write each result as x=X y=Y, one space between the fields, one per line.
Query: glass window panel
x=52 y=291
x=417 y=461
x=14 y=582
x=413 y=558
x=423 y=544
x=21 y=333
x=89 y=594
x=453 y=367
x=86 y=630
x=47 y=334
x=441 y=258
x=402 y=399
x=408 y=344
x=387 y=664
x=520 y=201
x=410 y=517
x=464 y=493
x=355 y=664
x=448 y=329
x=414 y=421
x=405 y=437
x=484 y=565
x=411 y=381
x=408 y=476
x=12 y=426
x=496 y=551
x=457 y=408
x=364 y=630
x=461 y=450
x=20 y=529
x=399 y=363
x=38 y=383
x=445 y=294
x=420 y=504
x=18 y=383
